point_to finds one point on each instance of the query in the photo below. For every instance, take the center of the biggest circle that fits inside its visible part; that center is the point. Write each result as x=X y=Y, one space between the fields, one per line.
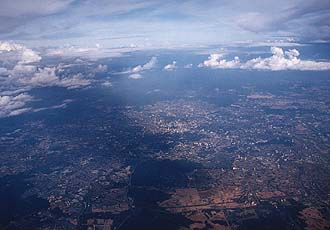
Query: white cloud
x=188 y=66
x=8 y=46
x=170 y=67
x=44 y=77
x=3 y=71
x=29 y=56
x=25 y=74
x=14 y=105
x=20 y=69
x=135 y=76
x=107 y=84
x=135 y=72
x=63 y=105
x=12 y=92
x=20 y=72
x=74 y=82
x=101 y=68
x=19 y=53
x=288 y=60
x=216 y=61
x=280 y=60
x=71 y=51
x=92 y=53
x=149 y=65
x=288 y=42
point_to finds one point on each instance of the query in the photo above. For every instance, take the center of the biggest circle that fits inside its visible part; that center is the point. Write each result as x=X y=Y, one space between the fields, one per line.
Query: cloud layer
x=16 y=52
x=14 y=105
x=21 y=71
x=280 y=60
x=162 y=23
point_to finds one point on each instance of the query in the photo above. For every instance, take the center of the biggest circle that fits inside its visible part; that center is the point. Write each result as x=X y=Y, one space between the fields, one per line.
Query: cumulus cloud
x=280 y=60
x=106 y=84
x=170 y=67
x=20 y=71
x=149 y=65
x=135 y=72
x=14 y=105
x=16 y=52
x=188 y=66
x=285 y=60
x=44 y=77
x=3 y=71
x=216 y=61
x=25 y=72
x=135 y=76
x=101 y=68
x=74 y=82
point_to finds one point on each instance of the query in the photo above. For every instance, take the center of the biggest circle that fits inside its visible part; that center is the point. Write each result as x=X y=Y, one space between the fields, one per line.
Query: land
x=184 y=163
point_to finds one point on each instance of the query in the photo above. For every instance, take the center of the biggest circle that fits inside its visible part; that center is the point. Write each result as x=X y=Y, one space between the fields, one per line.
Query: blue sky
x=43 y=43
x=158 y=23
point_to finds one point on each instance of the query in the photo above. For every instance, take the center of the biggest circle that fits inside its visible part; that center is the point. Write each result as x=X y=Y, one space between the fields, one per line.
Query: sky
x=159 y=23
x=44 y=42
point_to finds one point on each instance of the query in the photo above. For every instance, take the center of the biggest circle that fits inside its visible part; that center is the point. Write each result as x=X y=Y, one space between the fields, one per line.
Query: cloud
x=284 y=42
x=288 y=60
x=13 y=101
x=70 y=51
x=135 y=72
x=149 y=65
x=21 y=71
x=25 y=73
x=74 y=82
x=12 y=52
x=91 y=52
x=188 y=66
x=14 y=105
x=305 y=19
x=63 y=105
x=135 y=76
x=57 y=22
x=216 y=61
x=101 y=68
x=3 y=71
x=170 y=67
x=43 y=77
x=280 y=60
x=10 y=8
x=15 y=13
x=47 y=77
x=107 y=84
